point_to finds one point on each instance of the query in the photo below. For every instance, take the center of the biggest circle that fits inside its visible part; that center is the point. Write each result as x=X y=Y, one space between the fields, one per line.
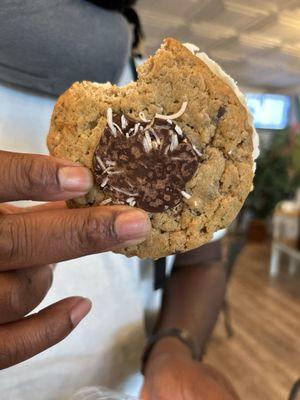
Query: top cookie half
x=178 y=143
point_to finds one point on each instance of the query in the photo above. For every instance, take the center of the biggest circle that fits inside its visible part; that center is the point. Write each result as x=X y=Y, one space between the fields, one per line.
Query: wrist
x=167 y=347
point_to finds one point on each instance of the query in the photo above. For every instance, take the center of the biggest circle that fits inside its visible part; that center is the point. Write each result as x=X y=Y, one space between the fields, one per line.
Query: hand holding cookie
x=33 y=238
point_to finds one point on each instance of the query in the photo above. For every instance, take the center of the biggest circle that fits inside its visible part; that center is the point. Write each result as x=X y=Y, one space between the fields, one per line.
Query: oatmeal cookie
x=178 y=143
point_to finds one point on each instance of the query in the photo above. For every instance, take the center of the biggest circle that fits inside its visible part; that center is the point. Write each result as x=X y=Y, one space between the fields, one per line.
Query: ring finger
x=21 y=291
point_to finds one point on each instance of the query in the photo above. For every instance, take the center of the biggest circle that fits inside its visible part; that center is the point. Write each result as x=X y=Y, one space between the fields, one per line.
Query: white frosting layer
x=217 y=70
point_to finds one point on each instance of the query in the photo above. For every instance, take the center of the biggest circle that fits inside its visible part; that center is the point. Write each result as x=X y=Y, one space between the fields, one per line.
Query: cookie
x=178 y=143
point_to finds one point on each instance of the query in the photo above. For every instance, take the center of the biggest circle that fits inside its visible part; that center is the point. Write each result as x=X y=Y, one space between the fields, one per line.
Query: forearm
x=191 y=301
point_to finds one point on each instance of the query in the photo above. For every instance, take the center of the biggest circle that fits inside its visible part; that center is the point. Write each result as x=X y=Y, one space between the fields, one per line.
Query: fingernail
x=80 y=310
x=132 y=227
x=75 y=179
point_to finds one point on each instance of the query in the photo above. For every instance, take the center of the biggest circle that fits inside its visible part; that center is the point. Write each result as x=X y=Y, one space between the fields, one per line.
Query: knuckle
x=95 y=231
x=37 y=174
x=8 y=351
x=15 y=240
x=13 y=300
x=7 y=240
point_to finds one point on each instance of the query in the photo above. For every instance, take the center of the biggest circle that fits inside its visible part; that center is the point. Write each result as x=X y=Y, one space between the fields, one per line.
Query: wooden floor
x=263 y=358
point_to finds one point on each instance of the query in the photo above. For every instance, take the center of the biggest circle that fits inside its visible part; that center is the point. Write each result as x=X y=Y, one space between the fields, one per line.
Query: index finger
x=37 y=177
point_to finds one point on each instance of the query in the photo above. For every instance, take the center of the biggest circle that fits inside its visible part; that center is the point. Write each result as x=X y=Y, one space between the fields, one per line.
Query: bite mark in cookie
x=144 y=163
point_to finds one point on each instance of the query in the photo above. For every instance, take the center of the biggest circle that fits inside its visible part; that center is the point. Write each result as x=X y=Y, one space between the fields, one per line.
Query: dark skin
x=32 y=239
x=191 y=301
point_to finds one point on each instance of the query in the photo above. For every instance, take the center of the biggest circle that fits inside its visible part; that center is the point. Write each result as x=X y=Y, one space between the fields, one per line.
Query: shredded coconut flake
x=107 y=170
x=170 y=121
x=124 y=122
x=133 y=203
x=130 y=200
x=185 y=195
x=167 y=149
x=114 y=172
x=149 y=125
x=197 y=151
x=110 y=121
x=117 y=126
x=136 y=127
x=111 y=163
x=176 y=158
x=147 y=146
x=106 y=201
x=143 y=117
x=124 y=192
x=104 y=183
x=173 y=116
x=178 y=130
x=156 y=136
x=148 y=138
x=174 y=142
x=101 y=163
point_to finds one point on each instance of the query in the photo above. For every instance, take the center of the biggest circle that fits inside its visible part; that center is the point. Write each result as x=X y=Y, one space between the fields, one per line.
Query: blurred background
x=257 y=338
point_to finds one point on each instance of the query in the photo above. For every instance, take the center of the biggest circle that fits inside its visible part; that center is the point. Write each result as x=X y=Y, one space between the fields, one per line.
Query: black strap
x=160 y=276
x=180 y=334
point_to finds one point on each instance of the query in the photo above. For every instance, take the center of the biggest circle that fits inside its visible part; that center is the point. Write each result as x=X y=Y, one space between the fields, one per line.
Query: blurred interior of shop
x=257 y=338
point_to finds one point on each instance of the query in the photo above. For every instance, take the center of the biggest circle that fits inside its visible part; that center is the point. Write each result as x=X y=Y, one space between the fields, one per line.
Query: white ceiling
x=257 y=42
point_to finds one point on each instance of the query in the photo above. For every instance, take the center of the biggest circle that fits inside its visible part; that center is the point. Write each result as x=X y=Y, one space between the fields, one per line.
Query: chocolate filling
x=147 y=165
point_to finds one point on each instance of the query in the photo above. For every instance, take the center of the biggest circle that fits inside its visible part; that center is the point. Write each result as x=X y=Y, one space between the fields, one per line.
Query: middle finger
x=32 y=239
